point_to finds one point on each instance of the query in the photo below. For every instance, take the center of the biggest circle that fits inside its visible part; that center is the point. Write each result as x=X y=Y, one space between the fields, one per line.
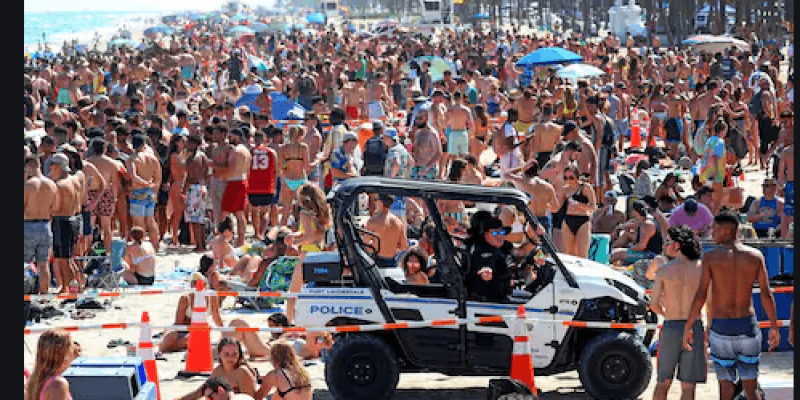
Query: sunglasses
x=499 y=233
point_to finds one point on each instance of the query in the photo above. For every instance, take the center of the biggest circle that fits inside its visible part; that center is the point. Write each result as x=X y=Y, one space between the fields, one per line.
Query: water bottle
x=771 y=233
x=73 y=286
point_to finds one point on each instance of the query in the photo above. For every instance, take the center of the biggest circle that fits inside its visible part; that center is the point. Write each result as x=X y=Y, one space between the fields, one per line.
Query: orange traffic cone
x=521 y=362
x=145 y=350
x=636 y=134
x=199 y=360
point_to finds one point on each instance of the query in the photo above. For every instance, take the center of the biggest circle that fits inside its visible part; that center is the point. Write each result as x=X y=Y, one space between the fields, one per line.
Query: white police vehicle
x=350 y=289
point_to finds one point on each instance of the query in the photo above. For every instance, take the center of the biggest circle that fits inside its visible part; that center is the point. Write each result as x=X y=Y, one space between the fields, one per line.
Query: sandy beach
x=775 y=367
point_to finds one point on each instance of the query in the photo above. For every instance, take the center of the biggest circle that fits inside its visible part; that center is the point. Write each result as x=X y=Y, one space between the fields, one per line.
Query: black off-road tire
x=615 y=366
x=361 y=367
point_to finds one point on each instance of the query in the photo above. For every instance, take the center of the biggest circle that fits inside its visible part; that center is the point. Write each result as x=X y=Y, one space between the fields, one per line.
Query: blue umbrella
x=316 y=18
x=239 y=30
x=547 y=56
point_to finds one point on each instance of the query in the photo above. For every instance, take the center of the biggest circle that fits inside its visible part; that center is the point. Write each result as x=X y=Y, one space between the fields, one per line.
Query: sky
x=136 y=5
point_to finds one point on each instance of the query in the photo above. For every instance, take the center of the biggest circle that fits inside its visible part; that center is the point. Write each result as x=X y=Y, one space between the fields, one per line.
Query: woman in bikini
x=173 y=341
x=578 y=205
x=478 y=141
x=177 y=177
x=55 y=351
x=314 y=220
x=740 y=114
x=224 y=257
x=658 y=109
x=567 y=108
x=141 y=259
x=294 y=165
x=233 y=367
x=495 y=101
x=289 y=378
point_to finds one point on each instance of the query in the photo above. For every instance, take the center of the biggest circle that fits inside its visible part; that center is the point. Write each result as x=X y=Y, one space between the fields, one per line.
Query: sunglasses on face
x=499 y=233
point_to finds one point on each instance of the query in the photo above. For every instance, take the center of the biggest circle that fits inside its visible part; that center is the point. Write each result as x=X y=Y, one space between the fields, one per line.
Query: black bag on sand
x=184 y=234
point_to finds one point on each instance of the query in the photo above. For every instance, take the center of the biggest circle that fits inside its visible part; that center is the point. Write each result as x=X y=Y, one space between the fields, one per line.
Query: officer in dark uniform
x=488 y=277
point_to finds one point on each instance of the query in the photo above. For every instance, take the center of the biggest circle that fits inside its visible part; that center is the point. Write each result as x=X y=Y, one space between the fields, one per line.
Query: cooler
x=783 y=303
x=599 y=247
x=137 y=363
x=102 y=383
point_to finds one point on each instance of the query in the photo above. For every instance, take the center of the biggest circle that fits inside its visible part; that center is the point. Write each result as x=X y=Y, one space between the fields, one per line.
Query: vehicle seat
x=427 y=290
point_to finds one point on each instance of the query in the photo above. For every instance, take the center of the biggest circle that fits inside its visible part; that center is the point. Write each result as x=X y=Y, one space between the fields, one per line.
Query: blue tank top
x=768 y=222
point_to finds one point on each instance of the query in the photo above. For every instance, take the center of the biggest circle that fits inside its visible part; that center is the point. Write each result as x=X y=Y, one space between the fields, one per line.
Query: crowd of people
x=153 y=147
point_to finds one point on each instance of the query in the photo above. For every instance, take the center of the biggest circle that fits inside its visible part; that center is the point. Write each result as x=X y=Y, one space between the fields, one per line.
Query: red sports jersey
x=262 y=171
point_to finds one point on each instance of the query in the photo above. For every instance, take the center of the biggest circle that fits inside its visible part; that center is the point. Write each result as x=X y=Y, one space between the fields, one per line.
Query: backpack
x=374 y=157
x=737 y=143
x=608 y=133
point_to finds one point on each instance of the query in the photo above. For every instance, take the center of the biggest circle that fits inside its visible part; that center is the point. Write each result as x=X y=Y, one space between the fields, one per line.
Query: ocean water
x=82 y=26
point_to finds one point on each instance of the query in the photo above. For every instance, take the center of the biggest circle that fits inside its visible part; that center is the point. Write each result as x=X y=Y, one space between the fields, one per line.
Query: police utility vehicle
x=346 y=287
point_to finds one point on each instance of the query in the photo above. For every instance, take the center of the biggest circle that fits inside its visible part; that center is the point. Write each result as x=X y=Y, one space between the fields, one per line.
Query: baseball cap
x=612 y=194
x=390 y=132
x=690 y=206
x=61 y=160
x=377 y=124
x=349 y=135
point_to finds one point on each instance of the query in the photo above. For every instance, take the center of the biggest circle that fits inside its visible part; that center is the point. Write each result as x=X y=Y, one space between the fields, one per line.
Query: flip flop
x=118 y=342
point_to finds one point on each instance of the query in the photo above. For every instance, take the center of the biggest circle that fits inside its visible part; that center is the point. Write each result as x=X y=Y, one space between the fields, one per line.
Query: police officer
x=488 y=277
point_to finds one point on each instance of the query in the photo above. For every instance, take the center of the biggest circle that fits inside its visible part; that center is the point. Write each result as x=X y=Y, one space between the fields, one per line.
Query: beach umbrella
x=240 y=30
x=697 y=39
x=123 y=42
x=482 y=16
x=721 y=43
x=438 y=66
x=316 y=18
x=259 y=27
x=547 y=56
x=575 y=71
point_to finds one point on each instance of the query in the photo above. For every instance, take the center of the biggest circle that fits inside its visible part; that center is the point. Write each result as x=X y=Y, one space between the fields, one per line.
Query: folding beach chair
x=276 y=278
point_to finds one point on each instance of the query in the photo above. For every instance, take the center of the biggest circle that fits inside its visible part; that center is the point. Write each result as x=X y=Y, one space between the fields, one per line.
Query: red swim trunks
x=235 y=196
x=351 y=111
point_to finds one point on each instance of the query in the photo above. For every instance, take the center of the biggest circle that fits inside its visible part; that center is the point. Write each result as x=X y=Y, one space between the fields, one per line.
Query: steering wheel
x=371 y=249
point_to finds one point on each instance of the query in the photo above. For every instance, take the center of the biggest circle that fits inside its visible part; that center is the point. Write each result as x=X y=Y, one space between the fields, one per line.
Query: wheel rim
x=362 y=370
x=615 y=369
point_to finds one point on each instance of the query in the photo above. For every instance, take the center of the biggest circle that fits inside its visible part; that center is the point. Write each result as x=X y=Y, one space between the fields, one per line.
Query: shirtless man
x=546 y=136
x=426 y=150
x=786 y=179
x=218 y=151
x=587 y=161
x=195 y=191
x=145 y=173
x=698 y=107
x=673 y=290
x=543 y=201
x=110 y=170
x=438 y=121
x=735 y=337
x=93 y=184
x=236 y=172
x=85 y=78
x=378 y=97
x=462 y=127
x=675 y=127
x=40 y=202
x=65 y=223
x=526 y=106
x=354 y=99
x=63 y=85
x=390 y=229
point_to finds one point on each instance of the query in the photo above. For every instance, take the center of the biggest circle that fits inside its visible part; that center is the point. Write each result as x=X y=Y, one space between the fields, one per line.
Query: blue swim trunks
x=143 y=202
x=788 y=202
x=735 y=345
x=432 y=174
